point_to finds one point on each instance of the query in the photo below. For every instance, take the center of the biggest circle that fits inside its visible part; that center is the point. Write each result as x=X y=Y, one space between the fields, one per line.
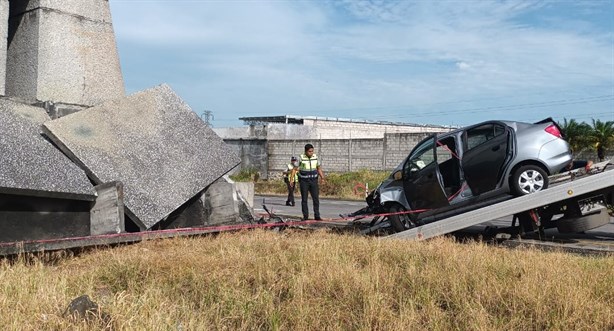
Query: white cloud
x=462 y=65
x=309 y=56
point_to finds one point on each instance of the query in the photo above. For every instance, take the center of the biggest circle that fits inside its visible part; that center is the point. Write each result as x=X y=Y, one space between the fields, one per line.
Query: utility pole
x=208 y=117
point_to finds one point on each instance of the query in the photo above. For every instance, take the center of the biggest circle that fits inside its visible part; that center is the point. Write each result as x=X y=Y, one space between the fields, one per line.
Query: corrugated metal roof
x=292 y=119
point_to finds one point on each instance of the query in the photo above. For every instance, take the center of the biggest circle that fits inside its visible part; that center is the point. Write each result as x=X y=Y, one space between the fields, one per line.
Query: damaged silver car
x=469 y=168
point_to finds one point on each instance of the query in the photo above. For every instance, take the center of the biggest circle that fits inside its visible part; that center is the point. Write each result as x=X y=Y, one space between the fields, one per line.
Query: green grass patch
x=249 y=174
x=348 y=185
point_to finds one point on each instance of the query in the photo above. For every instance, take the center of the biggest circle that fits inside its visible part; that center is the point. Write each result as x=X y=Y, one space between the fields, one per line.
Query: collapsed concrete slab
x=153 y=143
x=43 y=195
x=221 y=203
x=244 y=199
x=31 y=165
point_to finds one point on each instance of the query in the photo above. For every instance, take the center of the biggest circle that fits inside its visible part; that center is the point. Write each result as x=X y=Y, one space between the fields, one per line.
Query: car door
x=421 y=178
x=487 y=150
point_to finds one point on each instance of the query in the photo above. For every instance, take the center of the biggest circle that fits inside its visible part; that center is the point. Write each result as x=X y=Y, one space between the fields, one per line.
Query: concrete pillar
x=107 y=214
x=227 y=202
x=350 y=153
x=246 y=192
x=221 y=203
x=62 y=51
x=4 y=31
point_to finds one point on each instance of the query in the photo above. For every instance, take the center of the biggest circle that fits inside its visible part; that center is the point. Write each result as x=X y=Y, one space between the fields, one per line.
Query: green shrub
x=352 y=184
x=249 y=174
x=347 y=185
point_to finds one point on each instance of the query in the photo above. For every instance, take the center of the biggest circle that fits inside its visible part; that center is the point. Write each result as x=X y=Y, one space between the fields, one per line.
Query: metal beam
x=557 y=193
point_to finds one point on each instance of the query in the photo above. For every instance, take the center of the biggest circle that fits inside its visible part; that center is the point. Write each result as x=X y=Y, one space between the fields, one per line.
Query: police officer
x=309 y=168
x=291 y=182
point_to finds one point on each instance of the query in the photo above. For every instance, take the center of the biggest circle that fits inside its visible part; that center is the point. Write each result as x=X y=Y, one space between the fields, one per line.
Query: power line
x=375 y=108
x=508 y=107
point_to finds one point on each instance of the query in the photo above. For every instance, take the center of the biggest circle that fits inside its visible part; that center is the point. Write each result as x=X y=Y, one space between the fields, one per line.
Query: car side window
x=483 y=133
x=421 y=156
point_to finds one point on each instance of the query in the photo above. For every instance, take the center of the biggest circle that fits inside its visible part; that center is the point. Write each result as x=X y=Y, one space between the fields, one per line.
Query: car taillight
x=553 y=130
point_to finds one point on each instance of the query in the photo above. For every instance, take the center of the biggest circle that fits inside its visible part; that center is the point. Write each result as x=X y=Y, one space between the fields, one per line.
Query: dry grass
x=312 y=281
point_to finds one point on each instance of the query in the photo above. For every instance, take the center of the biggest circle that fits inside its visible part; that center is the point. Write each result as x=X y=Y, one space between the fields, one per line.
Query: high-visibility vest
x=289 y=175
x=308 y=167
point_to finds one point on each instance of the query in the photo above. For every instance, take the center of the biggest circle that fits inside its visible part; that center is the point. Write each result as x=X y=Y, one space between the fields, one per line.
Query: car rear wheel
x=529 y=179
x=400 y=222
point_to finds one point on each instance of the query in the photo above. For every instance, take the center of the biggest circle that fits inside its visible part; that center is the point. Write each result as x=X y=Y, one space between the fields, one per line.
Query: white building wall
x=322 y=129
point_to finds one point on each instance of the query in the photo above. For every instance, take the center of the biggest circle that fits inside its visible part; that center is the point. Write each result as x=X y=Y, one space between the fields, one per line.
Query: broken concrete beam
x=225 y=204
x=31 y=165
x=221 y=206
x=245 y=198
x=62 y=51
x=246 y=213
x=153 y=143
x=107 y=214
x=190 y=215
x=246 y=192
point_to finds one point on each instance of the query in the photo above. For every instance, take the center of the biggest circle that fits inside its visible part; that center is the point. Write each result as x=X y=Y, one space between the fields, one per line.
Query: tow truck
x=576 y=201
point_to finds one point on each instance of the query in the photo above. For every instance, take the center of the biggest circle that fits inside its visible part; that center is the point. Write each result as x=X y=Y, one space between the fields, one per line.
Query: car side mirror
x=397 y=175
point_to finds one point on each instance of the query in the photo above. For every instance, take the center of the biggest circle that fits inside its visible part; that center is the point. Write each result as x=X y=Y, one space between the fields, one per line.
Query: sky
x=425 y=62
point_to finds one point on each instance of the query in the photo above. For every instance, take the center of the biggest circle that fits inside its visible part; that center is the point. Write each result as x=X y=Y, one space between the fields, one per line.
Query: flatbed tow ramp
x=575 y=190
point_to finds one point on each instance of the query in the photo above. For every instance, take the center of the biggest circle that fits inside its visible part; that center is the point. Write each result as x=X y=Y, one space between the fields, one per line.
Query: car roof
x=513 y=124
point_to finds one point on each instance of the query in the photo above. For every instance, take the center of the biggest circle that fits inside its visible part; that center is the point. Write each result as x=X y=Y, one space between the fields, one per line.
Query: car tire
x=529 y=179
x=584 y=223
x=400 y=222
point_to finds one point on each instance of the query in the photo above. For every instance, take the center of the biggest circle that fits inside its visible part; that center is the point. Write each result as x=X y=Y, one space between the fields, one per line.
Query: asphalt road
x=329 y=208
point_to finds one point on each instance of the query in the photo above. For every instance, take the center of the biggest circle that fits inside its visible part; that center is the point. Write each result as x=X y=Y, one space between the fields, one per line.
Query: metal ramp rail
x=560 y=192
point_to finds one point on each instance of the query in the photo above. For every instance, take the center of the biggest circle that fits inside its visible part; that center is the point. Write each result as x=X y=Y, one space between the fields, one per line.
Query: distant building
x=266 y=143
x=289 y=127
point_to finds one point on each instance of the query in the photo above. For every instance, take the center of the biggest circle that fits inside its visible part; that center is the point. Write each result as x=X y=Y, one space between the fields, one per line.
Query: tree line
x=581 y=136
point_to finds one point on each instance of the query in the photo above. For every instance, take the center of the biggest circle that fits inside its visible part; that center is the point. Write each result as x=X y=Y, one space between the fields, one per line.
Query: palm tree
x=602 y=137
x=576 y=134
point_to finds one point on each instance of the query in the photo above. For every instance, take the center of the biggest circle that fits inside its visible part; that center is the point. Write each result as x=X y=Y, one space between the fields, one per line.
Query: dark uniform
x=308 y=180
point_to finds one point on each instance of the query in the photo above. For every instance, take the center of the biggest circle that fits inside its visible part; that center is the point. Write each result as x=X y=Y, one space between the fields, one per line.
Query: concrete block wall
x=270 y=157
x=253 y=153
x=366 y=154
x=343 y=155
x=399 y=145
x=279 y=153
x=336 y=155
